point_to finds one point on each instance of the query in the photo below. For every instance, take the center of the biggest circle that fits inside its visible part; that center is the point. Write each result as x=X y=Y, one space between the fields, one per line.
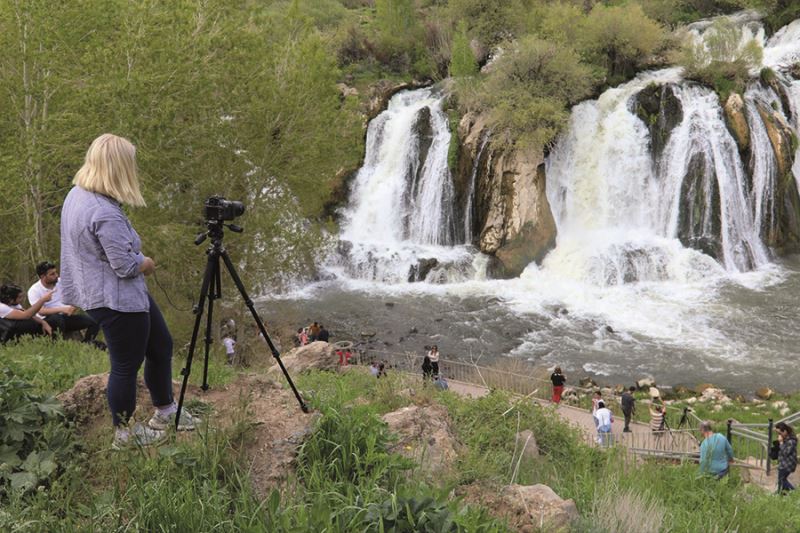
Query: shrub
x=34 y=440
x=621 y=38
x=528 y=90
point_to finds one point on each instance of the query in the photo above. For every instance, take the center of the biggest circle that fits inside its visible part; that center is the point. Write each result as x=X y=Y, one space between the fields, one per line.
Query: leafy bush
x=34 y=441
x=529 y=89
x=620 y=38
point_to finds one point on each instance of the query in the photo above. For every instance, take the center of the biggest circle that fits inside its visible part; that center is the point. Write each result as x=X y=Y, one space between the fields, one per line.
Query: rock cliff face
x=780 y=229
x=511 y=215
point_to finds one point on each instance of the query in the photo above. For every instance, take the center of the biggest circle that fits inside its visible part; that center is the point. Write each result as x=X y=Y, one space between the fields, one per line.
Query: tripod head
x=215 y=231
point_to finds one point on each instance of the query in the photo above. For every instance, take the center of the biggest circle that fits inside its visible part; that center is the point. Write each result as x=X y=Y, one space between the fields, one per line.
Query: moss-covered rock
x=661 y=110
x=736 y=121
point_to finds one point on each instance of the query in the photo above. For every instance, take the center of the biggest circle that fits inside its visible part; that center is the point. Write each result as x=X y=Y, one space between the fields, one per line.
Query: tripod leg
x=212 y=265
x=214 y=293
x=249 y=303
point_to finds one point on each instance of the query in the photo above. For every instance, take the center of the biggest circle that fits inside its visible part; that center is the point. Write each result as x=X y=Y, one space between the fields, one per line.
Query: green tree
x=462 y=60
x=620 y=38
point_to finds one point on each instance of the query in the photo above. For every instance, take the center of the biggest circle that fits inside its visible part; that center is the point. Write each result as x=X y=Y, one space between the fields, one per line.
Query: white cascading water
x=401 y=211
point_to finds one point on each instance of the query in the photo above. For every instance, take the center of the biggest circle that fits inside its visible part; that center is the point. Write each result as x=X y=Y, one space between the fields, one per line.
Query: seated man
x=16 y=321
x=64 y=318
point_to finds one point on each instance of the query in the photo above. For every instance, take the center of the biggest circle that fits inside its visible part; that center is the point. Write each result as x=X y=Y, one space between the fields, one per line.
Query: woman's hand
x=148 y=266
x=46 y=328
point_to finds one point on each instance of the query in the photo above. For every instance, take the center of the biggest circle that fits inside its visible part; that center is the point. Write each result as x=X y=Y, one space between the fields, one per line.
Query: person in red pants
x=558 y=380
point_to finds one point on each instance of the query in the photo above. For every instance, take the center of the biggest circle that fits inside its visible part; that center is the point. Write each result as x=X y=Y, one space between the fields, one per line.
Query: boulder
x=511 y=213
x=529 y=508
x=587 y=383
x=86 y=399
x=712 y=394
x=318 y=355
x=660 y=109
x=699 y=389
x=736 y=120
x=645 y=383
x=765 y=393
x=526 y=442
x=424 y=435
x=780 y=404
x=607 y=392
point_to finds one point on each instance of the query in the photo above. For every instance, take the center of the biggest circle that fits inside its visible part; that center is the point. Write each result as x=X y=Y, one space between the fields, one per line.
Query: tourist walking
x=596 y=399
x=787 y=455
x=716 y=452
x=628 y=408
x=558 y=380
x=603 y=419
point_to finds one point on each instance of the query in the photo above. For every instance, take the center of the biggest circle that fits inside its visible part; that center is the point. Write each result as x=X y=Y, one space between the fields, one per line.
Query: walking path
x=640 y=437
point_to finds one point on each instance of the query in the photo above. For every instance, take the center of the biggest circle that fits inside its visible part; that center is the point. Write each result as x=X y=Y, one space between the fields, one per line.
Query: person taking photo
x=103 y=271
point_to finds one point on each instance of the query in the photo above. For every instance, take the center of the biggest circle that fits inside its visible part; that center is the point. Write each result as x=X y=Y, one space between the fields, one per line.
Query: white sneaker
x=138 y=436
x=162 y=422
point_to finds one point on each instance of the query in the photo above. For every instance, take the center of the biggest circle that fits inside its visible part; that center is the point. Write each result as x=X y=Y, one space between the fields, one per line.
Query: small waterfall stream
x=400 y=224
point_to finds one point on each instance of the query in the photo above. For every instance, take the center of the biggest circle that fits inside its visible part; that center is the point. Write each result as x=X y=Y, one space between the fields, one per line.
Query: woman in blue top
x=716 y=452
x=102 y=271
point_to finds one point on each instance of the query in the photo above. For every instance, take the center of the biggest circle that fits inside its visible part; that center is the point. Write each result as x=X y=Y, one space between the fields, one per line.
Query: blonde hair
x=110 y=169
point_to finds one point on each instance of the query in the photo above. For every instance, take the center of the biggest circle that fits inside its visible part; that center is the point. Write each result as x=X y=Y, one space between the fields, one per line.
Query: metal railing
x=681 y=439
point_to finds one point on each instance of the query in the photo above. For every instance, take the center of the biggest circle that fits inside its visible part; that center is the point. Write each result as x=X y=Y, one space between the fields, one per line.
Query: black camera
x=219 y=209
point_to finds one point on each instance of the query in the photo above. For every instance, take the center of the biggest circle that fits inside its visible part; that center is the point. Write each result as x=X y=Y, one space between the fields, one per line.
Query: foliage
x=462 y=60
x=722 y=62
x=528 y=90
x=34 y=442
x=620 y=38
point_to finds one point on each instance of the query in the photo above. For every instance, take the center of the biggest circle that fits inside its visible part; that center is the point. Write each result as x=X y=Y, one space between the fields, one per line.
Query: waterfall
x=404 y=191
x=469 y=215
x=400 y=224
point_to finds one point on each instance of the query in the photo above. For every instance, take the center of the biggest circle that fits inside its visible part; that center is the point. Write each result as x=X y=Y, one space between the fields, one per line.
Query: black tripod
x=212 y=289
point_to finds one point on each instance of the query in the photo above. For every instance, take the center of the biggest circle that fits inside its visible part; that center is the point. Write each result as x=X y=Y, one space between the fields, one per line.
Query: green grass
x=347 y=480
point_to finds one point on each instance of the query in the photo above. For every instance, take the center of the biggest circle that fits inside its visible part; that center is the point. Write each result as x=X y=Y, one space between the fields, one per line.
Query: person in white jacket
x=604 y=418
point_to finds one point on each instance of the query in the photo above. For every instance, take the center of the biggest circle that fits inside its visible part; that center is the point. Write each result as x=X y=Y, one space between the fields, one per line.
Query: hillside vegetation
x=56 y=476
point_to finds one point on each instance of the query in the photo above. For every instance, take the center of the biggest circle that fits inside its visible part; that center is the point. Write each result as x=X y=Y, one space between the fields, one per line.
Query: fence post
x=769 y=445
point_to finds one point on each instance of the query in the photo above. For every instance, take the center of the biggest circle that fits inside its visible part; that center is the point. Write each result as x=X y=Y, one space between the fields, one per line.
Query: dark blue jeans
x=131 y=339
x=66 y=323
x=783 y=480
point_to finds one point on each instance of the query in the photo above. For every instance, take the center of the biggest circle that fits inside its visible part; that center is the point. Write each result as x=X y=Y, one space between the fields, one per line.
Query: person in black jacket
x=558 y=379
x=628 y=407
x=323 y=334
x=787 y=455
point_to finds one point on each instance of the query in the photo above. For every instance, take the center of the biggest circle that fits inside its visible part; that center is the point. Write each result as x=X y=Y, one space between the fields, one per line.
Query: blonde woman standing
x=102 y=271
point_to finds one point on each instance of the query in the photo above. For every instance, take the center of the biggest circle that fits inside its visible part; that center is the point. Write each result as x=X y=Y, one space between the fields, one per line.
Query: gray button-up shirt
x=100 y=255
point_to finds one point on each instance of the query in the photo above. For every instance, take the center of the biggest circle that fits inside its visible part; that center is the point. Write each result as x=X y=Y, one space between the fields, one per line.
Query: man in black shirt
x=323 y=334
x=628 y=407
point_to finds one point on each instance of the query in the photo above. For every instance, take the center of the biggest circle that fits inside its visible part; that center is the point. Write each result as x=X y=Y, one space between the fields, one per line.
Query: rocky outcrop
x=317 y=355
x=512 y=218
x=736 y=121
x=661 y=111
x=424 y=435
x=783 y=231
x=421 y=270
x=527 y=508
x=697 y=228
